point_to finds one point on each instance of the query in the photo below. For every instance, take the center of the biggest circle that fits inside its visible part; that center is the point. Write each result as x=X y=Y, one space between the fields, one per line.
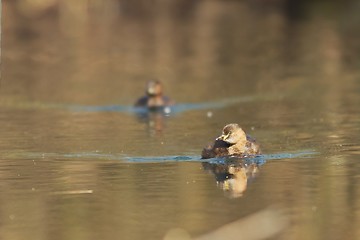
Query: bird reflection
x=233 y=175
x=154 y=121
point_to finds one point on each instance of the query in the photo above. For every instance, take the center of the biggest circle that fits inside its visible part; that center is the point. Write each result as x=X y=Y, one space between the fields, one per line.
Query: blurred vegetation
x=88 y=40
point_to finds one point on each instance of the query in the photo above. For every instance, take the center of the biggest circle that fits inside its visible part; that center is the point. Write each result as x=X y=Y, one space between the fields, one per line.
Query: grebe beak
x=223 y=137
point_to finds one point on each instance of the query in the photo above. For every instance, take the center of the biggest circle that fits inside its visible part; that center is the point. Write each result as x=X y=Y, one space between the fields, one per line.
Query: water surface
x=79 y=162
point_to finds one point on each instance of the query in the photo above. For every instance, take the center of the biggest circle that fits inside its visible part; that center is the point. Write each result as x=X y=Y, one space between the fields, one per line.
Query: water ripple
x=259 y=159
x=177 y=108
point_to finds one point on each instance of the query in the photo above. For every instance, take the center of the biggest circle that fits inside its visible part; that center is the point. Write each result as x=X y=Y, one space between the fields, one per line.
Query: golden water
x=291 y=82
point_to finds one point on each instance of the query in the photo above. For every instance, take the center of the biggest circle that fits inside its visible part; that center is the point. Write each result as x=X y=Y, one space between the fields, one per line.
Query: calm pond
x=78 y=162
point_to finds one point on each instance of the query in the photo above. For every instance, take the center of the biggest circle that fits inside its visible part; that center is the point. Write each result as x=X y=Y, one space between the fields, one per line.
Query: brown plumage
x=232 y=142
x=154 y=97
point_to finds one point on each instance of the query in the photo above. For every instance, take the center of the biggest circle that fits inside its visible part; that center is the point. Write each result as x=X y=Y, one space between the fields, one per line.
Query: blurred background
x=289 y=70
x=263 y=45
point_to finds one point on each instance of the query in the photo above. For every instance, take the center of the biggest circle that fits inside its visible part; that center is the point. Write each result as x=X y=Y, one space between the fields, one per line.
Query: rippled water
x=77 y=161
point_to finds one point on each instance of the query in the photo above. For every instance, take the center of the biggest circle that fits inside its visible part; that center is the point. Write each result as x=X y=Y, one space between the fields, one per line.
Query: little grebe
x=154 y=97
x=233 y=142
